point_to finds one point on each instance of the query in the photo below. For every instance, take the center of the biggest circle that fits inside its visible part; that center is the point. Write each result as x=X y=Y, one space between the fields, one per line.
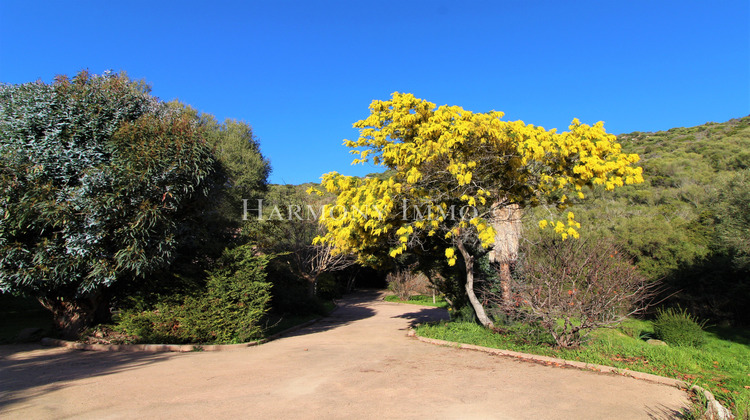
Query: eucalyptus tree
x=99 y=182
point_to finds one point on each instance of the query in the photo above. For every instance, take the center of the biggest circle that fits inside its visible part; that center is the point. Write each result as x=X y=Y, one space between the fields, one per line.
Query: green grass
x=420 y=300
x=721 y=365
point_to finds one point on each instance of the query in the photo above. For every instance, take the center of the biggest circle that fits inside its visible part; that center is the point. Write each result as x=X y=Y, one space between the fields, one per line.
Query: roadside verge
x=181 y=348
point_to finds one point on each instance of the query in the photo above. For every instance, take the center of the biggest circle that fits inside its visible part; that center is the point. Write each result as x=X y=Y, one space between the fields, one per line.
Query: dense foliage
x=688 y=223
x=108 y=192
x=677 y=327
x=229 y=311
x=462 y=177
x=246 y=169
x=304 y=274
x=98 y=181
x=733 y=218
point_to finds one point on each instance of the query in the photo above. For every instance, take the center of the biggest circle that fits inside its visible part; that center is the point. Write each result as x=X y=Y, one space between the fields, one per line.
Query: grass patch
x=420 y=300
x=721 y=365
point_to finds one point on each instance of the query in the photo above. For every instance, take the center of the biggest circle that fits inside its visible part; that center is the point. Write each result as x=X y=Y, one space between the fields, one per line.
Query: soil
x=356 y=363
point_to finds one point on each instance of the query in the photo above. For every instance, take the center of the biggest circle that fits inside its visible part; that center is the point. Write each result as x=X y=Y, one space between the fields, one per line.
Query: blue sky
x=301 y=72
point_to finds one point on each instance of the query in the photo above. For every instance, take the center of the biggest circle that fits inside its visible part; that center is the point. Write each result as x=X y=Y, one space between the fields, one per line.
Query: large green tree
x=245 y=172
x=238 y=150
x=99 y=182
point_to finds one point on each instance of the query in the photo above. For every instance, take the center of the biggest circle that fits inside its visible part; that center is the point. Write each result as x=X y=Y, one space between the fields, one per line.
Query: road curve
x=357 y=363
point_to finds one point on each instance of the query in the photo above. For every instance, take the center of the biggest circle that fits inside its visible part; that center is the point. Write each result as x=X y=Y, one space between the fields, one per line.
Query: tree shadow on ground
x=425 y=315
x=740 y=335
x=17 y=314
x=29 y=370
x=712 y=289
x=663 y=412
x=353 y=307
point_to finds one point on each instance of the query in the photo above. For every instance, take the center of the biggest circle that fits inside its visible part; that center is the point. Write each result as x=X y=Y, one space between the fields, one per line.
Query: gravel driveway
x=357 y=363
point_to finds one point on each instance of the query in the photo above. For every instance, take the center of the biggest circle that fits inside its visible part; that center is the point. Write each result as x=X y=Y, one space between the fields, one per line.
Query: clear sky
x=301 y=72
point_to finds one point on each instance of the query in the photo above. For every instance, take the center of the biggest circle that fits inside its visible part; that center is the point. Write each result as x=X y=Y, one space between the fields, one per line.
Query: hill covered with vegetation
x=688 y=224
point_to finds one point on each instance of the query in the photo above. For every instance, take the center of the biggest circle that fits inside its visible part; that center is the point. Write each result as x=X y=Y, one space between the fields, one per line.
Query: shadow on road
x=662 y=412
x=29 y=366
x=424 y=315
x=356 y=306
x=353 y=307
x=30 y=370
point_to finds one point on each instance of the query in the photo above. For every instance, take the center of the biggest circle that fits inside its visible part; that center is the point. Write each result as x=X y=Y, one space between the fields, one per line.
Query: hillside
x=686 y=224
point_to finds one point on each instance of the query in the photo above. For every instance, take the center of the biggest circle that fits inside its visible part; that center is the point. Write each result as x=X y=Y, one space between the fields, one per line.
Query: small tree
x=574 y=287
x=405 y=282
x=289 y=227
x=317 y=259
x=463 y=178
x=99 y=182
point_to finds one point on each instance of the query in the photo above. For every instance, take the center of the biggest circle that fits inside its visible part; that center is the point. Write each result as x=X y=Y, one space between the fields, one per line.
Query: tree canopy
x=454 y=172
x=99 y=181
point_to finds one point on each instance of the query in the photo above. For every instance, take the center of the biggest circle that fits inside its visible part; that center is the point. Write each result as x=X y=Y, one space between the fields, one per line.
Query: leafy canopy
x=450 y=168
x=98 y=181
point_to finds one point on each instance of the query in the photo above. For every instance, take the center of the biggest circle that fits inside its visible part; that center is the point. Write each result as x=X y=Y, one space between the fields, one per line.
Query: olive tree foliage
x=99 y=181
x=239 y=151
x=462 y=178
x=246 y=168
x=245 y=172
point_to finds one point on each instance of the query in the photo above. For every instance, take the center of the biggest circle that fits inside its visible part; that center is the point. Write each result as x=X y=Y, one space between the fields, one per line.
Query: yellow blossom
x=449 y=252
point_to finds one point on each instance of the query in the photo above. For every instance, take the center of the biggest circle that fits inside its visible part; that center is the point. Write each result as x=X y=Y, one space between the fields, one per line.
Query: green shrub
x=464 y=314
x=328 y=288
x=679 y=328
x=228 y=311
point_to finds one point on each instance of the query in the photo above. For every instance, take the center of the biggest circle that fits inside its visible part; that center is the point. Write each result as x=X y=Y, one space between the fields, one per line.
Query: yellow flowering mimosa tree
x=464 y=178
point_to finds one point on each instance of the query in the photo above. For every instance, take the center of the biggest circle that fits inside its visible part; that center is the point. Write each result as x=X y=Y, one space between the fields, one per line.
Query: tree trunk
x=506 y=221
x=72 y=317
x=312 y=286
x=475 y=303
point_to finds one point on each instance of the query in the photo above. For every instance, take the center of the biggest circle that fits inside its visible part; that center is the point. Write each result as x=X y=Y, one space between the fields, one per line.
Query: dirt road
x=355 y=364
